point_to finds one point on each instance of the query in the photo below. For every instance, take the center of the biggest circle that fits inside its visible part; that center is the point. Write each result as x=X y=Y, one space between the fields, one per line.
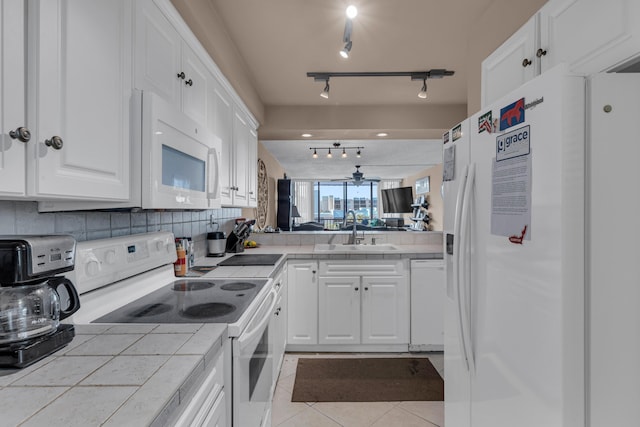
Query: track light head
x=358 y=153
x=315 y=154
x=329 y=155
x=344 y=153
x=325 y=91
x=423 y=92
x=352 y=11
x=346 y=49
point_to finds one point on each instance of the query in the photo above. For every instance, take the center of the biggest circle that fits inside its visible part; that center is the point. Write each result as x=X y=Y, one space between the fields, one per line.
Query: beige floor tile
x=283 y=408
x=400 y=418
x=287 y=382
x=354 y=414
x=430 y=411
x=289 y=365
x=309 y=418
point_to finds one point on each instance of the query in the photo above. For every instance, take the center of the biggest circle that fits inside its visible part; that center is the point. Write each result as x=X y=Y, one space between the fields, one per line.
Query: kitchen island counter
x=114 y=375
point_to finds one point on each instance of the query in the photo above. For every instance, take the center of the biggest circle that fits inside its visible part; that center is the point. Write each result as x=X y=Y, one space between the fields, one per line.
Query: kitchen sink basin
x=330 y=247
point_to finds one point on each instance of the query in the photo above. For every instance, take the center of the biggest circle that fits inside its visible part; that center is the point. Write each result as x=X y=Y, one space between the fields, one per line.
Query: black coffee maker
x=33 y=298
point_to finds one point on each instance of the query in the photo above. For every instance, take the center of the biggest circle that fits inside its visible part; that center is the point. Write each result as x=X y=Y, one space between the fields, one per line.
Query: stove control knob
x=110 y=257
x=92 y=267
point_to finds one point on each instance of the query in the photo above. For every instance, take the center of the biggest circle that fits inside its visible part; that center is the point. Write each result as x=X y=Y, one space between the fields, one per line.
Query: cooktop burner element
x=190 y=285
x=237 y=286
x=190 y=301
x=208 y=309
x=250 y=259
x=151 y=310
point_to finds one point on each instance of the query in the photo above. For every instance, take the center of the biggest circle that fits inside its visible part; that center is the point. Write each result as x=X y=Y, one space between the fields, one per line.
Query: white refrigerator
x=540 y=201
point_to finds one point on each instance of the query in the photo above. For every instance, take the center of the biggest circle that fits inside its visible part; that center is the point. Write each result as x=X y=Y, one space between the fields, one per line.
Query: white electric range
x=131 y=279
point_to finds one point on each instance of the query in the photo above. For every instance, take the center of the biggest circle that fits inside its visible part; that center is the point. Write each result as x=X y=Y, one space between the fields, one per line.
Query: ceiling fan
x=358 y=178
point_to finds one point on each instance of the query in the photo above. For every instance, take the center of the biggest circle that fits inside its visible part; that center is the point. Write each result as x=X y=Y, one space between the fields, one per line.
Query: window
x=332 y=200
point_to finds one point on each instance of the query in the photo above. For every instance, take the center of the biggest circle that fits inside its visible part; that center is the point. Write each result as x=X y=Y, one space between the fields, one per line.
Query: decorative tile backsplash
x=17 y=217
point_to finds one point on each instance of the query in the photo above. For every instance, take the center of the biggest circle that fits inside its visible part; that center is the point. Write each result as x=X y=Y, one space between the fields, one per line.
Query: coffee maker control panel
x=32 y=257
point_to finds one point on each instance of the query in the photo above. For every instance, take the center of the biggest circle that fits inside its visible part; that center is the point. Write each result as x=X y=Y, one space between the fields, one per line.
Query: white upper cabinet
x=78 y=97
x=511 y=65
x=166 y=65
x=12 y=102
x=591 y=35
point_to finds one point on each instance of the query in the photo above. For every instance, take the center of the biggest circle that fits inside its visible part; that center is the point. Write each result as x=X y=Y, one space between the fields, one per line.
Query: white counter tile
x=126 y=370
x=131 y=328
x=63 y=371
x=177 y=328
x=158 y=344
x=105 y=345
x=19 y=403
x=82 y=407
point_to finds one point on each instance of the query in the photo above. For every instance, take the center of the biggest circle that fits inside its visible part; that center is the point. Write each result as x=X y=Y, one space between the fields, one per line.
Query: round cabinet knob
x=22 y=134
x=110 y=257
x=541 y=52
x=366 y=289
x=356 y=289
x=55 y=142
x=189 y=82
x=526 y=62
x=92 y=267
x=181 y=75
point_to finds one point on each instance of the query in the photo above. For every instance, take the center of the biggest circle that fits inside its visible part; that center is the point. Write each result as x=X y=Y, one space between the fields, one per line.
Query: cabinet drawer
x=362 y=268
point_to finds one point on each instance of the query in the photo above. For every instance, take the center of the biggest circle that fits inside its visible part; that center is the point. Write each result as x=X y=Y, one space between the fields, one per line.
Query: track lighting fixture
x=352 y=11
x=346 y=49
x=325 y=91
x=415 y=75
x=336 y=146
x=423 y=92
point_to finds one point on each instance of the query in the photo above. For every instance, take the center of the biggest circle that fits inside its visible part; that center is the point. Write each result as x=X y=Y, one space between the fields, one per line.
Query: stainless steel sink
x=331 y=247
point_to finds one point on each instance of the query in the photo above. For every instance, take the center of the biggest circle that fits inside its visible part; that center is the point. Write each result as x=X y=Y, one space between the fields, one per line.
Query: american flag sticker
x=484 y=123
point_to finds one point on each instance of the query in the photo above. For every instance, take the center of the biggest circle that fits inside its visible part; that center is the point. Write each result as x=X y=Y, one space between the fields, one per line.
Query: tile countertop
x=113 y=375
x=423 y=251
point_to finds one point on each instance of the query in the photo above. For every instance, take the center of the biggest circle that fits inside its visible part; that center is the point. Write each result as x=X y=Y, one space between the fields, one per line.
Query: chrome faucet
x=352 y=237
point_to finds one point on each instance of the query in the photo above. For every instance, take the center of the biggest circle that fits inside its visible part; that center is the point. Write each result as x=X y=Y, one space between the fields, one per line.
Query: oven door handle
x=256 y=330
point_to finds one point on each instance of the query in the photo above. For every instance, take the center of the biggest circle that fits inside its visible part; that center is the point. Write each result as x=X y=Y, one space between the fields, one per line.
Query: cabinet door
x=222 y=126
x=217 y=415
x=252 y=169
x=241 y=156
x=512 y=64
x=591 y=35
x=194 y=86
x=428 y=289
x=157 y=53
x=302 y=304
x=339 y=310
x=385 y=310
x=12 y=101
x=80 y=71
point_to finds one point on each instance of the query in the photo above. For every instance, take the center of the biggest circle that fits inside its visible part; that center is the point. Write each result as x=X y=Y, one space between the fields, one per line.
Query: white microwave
x=174 y=161
x=180 y=159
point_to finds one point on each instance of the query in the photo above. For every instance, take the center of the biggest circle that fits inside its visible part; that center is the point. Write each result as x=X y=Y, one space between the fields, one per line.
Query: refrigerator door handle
x=464 y=273
x=456 y=263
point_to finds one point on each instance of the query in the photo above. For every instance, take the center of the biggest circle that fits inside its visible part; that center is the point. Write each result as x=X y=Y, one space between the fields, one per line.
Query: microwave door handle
x=214 y=173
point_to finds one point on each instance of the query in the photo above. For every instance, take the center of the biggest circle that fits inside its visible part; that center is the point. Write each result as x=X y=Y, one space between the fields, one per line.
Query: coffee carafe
x=34 y=298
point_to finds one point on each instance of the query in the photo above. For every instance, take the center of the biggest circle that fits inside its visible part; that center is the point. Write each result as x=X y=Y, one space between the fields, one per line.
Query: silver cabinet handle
x=22 y=134
x=55 y=142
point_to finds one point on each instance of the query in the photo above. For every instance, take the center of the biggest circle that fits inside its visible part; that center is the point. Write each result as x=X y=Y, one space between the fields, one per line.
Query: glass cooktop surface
x=190 y=301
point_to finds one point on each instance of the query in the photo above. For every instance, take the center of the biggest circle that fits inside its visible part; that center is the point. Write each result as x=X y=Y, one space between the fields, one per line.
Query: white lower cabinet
x=302 y=302
x=279 y=326
x=358 y=307
x=428 y=290
x=208 y=406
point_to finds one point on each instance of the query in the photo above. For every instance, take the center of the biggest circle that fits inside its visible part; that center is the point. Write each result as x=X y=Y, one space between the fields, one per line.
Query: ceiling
x=281 y=40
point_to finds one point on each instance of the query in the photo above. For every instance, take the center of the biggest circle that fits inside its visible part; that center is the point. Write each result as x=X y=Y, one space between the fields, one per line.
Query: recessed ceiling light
x=383 y=134
x=306 y=135
x=352 y=11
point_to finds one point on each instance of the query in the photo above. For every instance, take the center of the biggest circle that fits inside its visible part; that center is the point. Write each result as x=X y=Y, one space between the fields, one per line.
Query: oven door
x=253 y=368
x=179 y=158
